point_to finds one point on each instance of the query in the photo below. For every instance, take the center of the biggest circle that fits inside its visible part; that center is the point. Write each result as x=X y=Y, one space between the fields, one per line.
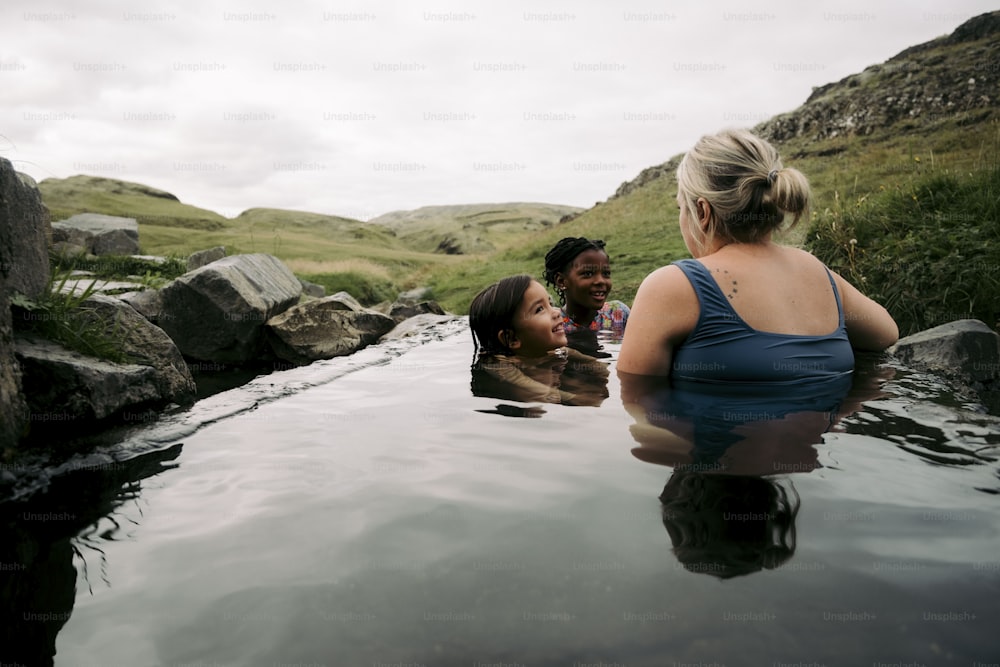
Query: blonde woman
x=746 y=309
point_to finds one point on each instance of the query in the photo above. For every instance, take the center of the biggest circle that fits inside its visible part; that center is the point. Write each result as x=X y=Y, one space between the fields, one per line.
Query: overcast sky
x=361 y=108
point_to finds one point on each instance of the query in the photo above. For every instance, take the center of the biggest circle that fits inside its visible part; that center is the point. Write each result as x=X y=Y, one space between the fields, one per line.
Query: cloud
x=357 y=109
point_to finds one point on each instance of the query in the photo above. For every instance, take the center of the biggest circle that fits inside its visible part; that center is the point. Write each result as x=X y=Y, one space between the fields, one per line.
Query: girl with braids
x=746 y=309
x=580 y=271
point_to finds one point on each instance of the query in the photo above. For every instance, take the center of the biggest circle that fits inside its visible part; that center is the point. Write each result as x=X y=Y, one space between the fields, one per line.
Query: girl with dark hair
x=521 y=351
x=580 y=271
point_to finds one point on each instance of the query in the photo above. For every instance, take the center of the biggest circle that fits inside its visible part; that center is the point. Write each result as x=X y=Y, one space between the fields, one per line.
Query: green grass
x=87 y=194
x=65 y=318
x=927 y=247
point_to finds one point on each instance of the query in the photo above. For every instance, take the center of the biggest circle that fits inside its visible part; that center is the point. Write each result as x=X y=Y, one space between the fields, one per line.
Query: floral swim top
x=611 y=317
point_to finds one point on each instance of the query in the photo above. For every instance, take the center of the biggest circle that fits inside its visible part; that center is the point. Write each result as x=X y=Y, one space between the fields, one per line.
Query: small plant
x=63 y=316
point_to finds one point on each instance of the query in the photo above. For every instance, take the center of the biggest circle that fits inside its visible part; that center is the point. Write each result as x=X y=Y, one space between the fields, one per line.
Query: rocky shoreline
x=232 y=315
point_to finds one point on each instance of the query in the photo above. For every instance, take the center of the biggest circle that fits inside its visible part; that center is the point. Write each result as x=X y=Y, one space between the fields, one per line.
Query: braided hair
x=558 y=259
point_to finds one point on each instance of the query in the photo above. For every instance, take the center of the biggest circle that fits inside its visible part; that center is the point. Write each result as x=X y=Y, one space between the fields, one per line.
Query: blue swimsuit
x=724 y=348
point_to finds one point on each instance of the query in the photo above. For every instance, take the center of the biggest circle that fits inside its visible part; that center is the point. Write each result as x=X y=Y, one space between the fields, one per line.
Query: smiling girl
x=580 y=271
x=521 y=348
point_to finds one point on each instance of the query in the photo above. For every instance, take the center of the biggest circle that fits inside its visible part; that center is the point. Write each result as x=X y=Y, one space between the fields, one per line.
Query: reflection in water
x=572 y=378
x=40 y=542
x=724 y=516
x=729 y=525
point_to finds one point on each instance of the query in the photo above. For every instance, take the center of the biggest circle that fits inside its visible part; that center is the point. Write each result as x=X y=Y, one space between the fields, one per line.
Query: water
x=378 y=513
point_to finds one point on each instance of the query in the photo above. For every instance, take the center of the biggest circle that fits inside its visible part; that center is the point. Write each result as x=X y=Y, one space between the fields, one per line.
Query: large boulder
x=968 y=348
x=218 y=312
x=146 y=344
x=323 y=329
x=99 y=234
x=65 y=388
x=25 y=234
x=967 y=352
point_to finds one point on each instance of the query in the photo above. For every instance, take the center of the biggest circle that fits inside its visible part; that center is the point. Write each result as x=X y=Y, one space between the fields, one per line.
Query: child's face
x=538 y=327
x=587 y=280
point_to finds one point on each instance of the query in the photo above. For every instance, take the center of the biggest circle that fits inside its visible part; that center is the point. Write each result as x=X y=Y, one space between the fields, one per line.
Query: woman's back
x=775 y=317
x=776 y=289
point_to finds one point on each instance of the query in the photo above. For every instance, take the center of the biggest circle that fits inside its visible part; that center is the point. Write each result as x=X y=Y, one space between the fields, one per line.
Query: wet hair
x=741 y=176
x=558 y=259
x=729 y=525
x=492 y=311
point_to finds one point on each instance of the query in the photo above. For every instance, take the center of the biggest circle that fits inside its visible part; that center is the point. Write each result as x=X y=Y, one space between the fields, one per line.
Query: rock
x=968 y=348
x=323 y=329
x=402 y=310
x=147 y=303
x=65 y=250
x=147 y=345
x=12 y=404
x=347 y=302
x=65 y=387
x=25 y=234
x=81 y=285
x=312 y=289
x=417 y=324
x=218 y=312
x=204 y=257
x=100 y=234
x=967 y=352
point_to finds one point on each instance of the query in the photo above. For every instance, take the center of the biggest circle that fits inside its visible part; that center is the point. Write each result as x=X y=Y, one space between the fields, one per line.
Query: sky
x=362 y=108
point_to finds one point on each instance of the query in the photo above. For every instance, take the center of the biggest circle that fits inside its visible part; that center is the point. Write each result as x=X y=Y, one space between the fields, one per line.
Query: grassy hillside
x=471 y=228
x=371 y=260
x=928 y=111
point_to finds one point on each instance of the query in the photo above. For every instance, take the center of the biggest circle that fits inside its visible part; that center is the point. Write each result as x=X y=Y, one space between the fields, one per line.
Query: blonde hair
x=741 y=177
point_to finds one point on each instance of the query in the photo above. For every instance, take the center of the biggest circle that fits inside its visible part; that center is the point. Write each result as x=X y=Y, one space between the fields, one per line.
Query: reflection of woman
x=726 y=526
x=724 y=515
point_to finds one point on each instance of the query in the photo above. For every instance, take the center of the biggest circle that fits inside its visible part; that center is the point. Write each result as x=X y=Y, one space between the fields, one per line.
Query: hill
x=931 y=107
x=372 y=260
x=471 y=228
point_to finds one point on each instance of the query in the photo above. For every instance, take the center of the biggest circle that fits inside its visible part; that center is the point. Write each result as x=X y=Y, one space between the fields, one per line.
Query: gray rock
x=312 y=289
x=100 y=234
x=323 y=329
x=12 y=404
x=965 y=352
x=204 y=257
x=65 y=250
x=147 y=303
x=417 y=324
x=24 y=234
x=146 y=344
x=402 y=310
x=218 y=312
x=64 y=387
x=81 y=285
x=347 y=302
x=964 y=348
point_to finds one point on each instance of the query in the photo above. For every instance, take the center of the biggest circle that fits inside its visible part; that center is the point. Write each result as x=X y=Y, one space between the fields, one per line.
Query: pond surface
x=378 y=513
